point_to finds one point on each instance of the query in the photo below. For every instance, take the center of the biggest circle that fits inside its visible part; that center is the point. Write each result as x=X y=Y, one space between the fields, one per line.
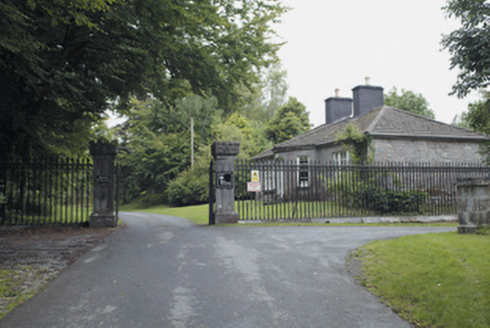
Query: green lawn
x=434 y=280
x=198 y=214
x=56 y=214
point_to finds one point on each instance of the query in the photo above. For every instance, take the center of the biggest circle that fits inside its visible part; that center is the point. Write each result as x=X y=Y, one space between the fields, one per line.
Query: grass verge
x=198 y=214
x=18 y=285
x=433 y=280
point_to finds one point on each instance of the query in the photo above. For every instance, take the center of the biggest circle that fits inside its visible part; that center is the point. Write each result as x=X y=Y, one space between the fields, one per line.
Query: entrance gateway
x=288 y=191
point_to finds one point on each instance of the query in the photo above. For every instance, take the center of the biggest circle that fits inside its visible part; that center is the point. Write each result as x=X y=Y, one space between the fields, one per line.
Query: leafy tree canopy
x=248 y=133
x=266 y=97
x=291 y=120
x=158 y=141
x=409 y=101
x=469 y=45
x=62 y=63
x=477 y=118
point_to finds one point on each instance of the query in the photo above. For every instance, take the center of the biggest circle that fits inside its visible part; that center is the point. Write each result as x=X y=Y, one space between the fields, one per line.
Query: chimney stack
x=337 y=108
x=366 y=98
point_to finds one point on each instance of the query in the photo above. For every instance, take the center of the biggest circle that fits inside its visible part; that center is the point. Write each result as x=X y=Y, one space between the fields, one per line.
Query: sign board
x=255 y=176
x=253 y=187
x=224 y=180
x=103 y=178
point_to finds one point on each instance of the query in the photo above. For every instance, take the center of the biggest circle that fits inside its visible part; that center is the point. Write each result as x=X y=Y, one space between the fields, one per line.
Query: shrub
x=191 y=187
x=378 y=192
x=148 y=200
x=386 y=201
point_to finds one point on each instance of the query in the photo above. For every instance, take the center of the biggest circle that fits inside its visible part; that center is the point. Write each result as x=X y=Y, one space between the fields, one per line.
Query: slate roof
x=382 y=122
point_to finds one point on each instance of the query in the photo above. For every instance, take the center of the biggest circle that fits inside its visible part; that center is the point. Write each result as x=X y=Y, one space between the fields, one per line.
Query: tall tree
x=266 y=97
x=409 y=101
x=63 y=62
x=291 y=120
x=158 y=141
x=469 y=45
x=477 y=117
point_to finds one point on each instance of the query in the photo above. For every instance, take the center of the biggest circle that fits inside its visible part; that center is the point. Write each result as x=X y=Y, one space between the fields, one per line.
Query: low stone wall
x=473 y=204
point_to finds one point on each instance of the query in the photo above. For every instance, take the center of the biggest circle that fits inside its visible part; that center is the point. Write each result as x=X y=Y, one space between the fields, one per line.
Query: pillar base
x=103 y=221
x=466 y=229
x=226 y=218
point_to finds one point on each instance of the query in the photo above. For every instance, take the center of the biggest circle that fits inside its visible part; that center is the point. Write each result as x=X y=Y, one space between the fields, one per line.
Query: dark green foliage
x=483 y=231
x=477 y=118
x=469 y=45
x=147 y=200
x=409 y=101
x=63 y=63
x=291 y=120
x=358 y=144
x=386 y=201
x=158 y=141
x=191 y=187
x=478 y=115
x=379 y=193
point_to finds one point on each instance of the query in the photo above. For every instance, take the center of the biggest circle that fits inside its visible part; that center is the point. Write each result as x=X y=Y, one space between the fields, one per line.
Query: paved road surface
x=162 y=271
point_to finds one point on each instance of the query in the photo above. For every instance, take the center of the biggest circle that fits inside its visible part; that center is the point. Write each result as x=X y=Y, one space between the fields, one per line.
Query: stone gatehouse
x=397 y=135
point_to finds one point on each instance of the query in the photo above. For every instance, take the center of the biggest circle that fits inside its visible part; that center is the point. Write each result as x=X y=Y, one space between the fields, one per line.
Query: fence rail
x=290 y=191
x=44 y=192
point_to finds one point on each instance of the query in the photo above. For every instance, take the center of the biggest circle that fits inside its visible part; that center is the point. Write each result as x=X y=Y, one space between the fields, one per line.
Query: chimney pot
x=337 y=91
x=368 y=80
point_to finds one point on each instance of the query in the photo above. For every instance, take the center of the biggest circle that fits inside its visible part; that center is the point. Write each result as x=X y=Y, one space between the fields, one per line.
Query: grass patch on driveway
x=436 y=280
x=198 y=214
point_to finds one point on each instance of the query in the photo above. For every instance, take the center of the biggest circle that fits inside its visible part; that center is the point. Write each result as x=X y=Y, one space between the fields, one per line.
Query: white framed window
x=341 y=158
x=303 y=171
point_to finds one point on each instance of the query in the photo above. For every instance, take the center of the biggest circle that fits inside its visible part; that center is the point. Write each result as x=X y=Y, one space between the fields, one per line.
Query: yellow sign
x=255 y=176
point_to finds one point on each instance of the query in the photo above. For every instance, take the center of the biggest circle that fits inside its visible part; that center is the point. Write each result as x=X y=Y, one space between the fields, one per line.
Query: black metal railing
x=46 y=192
x=302 y=192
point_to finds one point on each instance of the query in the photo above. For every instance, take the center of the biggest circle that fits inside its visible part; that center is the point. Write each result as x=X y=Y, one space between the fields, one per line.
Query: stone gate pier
x=225 y=154
x=104 y=155
x=473 y=204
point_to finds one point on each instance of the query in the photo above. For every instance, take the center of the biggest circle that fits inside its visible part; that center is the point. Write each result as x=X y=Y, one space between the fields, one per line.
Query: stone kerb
x=473 y=204
x=103 y=200
x=224 y=154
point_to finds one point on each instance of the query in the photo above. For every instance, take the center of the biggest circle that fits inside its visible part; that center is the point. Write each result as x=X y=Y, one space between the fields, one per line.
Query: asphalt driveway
x=162 y=271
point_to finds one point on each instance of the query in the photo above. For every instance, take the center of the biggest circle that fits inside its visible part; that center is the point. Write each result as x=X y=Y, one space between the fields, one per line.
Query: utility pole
x=192 y=143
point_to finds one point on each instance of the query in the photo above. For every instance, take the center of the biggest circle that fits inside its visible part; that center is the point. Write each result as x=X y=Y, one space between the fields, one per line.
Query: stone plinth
x=473 y=204
x=224 y=154
x=103 y=214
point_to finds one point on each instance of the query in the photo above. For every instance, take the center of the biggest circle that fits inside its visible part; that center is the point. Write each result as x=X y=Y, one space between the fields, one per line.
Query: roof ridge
x=376 y=120
x=435 y=121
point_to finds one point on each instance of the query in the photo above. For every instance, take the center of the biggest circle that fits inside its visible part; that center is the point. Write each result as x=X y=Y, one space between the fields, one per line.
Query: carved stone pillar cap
x=226 y=148
x=102 y=149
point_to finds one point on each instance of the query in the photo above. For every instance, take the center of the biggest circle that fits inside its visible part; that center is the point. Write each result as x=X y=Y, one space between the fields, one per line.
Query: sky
x=334 y=44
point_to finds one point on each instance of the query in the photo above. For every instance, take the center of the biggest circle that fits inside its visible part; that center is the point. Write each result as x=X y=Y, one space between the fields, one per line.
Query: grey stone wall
x=326 y=154
x=425 y=151
x=291 y=156
x=401 y=151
